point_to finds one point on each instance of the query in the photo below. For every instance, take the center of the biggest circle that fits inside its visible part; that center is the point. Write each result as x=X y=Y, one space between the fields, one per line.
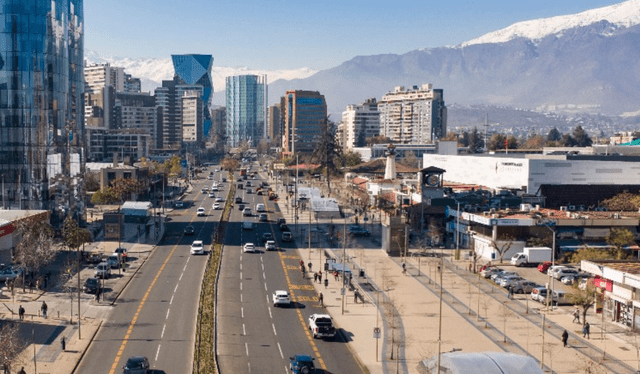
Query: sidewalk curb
x=84 y=352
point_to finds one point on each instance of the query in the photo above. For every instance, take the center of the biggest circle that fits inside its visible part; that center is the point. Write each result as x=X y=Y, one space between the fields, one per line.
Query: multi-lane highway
x=155 y=316
x=253 y=335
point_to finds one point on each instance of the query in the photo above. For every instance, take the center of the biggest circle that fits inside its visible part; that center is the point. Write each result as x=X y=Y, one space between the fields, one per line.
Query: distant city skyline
x=317 y=35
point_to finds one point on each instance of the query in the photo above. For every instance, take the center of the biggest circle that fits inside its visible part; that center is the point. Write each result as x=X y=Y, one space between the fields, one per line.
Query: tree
x=583 y=297
x=35 y=247
x=328 y=153
x=352 y=159
x=106 y=196
x=10 y=344
x=73 y=235
x=91 y=182
x=502 y=245
x=229 y=163
x=496 y=142
x=620 y=238
x=533 y=142
x=624 y=201
x=512 y=142
x=476 y=143
x=592 y=254
x=581 y=137
x=263 y=147
x=463 y=140
x=380 y=139
x=450 y=137
x=124 y=187
x=568 y=141
x=410 y=159
x=554 y=135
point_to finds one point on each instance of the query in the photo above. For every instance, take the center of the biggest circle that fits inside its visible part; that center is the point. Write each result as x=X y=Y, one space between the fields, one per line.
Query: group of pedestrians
x=43 y=308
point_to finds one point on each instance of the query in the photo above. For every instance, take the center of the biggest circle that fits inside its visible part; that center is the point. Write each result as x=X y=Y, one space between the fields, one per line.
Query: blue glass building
x=246 y=102
x=195 y=70
x=41 y=99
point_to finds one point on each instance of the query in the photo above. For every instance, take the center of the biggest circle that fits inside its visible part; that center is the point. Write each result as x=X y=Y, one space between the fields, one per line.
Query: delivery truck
x=531 y=256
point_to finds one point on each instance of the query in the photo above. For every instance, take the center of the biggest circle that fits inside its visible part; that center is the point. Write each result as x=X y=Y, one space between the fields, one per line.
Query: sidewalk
x=408 y=313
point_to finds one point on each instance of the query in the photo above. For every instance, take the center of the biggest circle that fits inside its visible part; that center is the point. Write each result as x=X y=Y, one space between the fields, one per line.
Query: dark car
x=238 y=200
x=91 y=285
x=284 y=227
x=267 y=236
x=189 y=230
x=94 y=258
x=136 y=365
x=356 y=230
x=301 y=364
x=280 y=221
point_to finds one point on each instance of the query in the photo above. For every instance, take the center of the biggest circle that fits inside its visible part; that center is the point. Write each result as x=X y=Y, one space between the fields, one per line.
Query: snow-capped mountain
x=624 y=14
x=153 y=71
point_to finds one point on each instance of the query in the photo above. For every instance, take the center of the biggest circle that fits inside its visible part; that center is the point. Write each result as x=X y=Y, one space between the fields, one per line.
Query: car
x=270 y=245
x=538 y=293
x=211 y=194
x=284 y=227
x=552 y=269
x=121 y=252
x=246 y=212
x=8 y=274
x=210 y=177
x=91 y=285
x=510 y=280
x=218 y=199
x=267 y=236
x=205 y=189
x=200 y=212
x=263 y=217
x=189 y=230
x=113 y=261
x=94 y=258
x=103 y=270
x=238 y=200
x=259 y=192
x=260 y=208
x=524 y=286
x=217 y=206
x=281 y=298
x=249 y=190
x=136 y=365
x=248 y=184
x=249 y=247
x=214 y=188
x=543 y=267
x=197 y=247
x=565 y=272
x=286 y=236
x=489 y=271
x=495 y=277
x=178 y=204
x=301 y=364
x=224 y=179
x=280 y=221
x=356 y=230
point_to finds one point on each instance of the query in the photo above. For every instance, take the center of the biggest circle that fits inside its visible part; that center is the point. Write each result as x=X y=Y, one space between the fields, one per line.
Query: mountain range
x=586 y=62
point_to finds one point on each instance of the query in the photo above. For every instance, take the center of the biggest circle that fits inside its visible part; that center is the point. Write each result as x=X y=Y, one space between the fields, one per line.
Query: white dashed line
x=280 y=349
x=264 y=275
x=240 y=297
x=240 y=286
x=265 y=286
x=244 y=331
x=163 y=327
x=246 y=348
x=158 y=351
x=175 y=289
x=171 y=301
x=242 y=312
x=168 y=310
x=240 y=266
x=262 y=267
x=185 y=267
x=270 y=315
x=274 y=329
x=240 y=275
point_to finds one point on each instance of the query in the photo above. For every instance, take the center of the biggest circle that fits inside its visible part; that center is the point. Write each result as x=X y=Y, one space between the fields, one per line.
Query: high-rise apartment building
x=305 y=114
x=192 y=116
x=415 y=116
x=246 y=103
x=274 y=127
x=41 y=107
x=137 y=110
x=359 y=122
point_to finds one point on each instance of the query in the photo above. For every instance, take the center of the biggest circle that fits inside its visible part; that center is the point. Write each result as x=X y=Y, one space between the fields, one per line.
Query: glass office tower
x=41 y=103
x=195 y=70
x=246 y=100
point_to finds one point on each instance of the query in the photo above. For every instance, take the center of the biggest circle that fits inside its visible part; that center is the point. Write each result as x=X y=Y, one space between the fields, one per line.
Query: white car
x=216 y=206
x=200 y=212
x=219 y=199
x=205 y=189
x=270 y=245
x=246 y=212
x=197 y=248
x=249 y=247
x=281 y=298
x=211 y=194
x=214 y=188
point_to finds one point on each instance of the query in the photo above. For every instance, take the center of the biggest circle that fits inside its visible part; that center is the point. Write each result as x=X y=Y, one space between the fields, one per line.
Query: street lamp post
x=547 y=224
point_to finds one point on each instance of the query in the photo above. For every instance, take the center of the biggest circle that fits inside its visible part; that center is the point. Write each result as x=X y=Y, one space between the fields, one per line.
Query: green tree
x=554 y=135
x=328 y=153
x=592 y=254
x=106 y=196
x=496 y=142
x=624 y=201
x=620 y=238
x=583 y=297
x=352 y=159
x=581 y=137
x=568 y=141
x=476 y=143
x=73 y=235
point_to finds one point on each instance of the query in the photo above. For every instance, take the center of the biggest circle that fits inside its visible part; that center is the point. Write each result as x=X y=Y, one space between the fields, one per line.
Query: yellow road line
x=314 y=347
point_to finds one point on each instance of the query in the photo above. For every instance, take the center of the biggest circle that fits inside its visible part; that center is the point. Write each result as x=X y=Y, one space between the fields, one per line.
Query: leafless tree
x=502 y=245
x=35 y=247
x=10 y=345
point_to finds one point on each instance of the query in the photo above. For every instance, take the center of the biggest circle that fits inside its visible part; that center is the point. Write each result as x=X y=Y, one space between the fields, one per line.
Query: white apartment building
x=97 y=76
x=359 y=122
x=415 y=116
x=192 y=117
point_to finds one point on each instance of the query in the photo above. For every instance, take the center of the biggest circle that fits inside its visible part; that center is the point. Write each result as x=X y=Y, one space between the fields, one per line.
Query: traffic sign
x=343 y=291
x=376 y=332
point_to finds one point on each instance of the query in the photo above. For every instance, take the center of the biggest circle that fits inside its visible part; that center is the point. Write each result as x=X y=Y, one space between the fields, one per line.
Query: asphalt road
x=253 y=335
x=155 y=316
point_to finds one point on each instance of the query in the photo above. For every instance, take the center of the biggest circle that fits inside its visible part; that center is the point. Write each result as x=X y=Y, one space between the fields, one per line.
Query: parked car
x=189 y=230
x=94 y=258
x=565 y=272
x=8 y=274
x=121 y=252
x=356 y=230
x=197 y=247
x=524 y=286
x=113 y=261
x=249 y=247
x=552 y=269
x=270 y=245
x=497 y=276
x=178 y=204
x=281 y=298
x=510 y=280
x=488 y=272
x=538 y=293
x=103 y=270
x=543 y=267
x=136 y=365
x=200 y=212
x=301 y=364
x=91 y=285
x=558 y=297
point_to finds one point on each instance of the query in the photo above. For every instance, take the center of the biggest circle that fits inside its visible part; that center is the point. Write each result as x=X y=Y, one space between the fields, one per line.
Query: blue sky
x=287 y=34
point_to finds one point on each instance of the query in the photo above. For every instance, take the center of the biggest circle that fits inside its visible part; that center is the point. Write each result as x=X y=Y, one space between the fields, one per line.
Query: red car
x=544 y=266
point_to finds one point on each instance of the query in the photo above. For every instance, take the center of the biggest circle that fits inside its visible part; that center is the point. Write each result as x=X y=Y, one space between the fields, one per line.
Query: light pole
x=547 y=224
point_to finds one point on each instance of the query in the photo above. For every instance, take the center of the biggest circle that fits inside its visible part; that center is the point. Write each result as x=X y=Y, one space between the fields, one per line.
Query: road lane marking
x=280 y=349
x=242 y=312
x=246 y=348
x=168 y=310
x=274 y=329
x=175 y=289
x=240 y=266
x=270 y=315
x=158 y=351
x=262 y=267
x=265 y=286
x=179 y=279
x=264 y=275
x=244 y=331
x=240 y=275
x=240 y=286
x=240 y=297
x=163 y=327
x=171 y=301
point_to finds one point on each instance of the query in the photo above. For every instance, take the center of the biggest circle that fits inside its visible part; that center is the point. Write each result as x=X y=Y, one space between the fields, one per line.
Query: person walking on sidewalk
x=320 y=277
x=510 y=292
x=315 y=277
x=565 y=337
x=576 y=315
x=321 y=299
x=310 y=265
x=22 y=371
x=404 y=269
x=21 y=313
x=44 y=308
x=585 y=330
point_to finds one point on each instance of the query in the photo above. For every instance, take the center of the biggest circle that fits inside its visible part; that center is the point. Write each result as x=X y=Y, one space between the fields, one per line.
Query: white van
x=260 y=208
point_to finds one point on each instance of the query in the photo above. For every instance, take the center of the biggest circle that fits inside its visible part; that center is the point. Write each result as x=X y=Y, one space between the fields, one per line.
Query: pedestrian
x=30 y=286
x=320 y=277
x=321 y=299
x=301 y=263
x=326 y=282
x=21 y=313
x=335 y=275
x=44 y=308
x=123 y=267
x=355 y=296
x=310 y=265
x=98 y=295
x=404 y=268
x=510 y=292
x=38 y=284
x=470 y=268
x=576 y=315
x=22 y=371
x=64 y=344
x=565 y=337
x=585 y=330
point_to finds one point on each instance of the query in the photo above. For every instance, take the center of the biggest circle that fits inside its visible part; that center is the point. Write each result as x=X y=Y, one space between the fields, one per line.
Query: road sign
x=376 y=332
x=343 y=291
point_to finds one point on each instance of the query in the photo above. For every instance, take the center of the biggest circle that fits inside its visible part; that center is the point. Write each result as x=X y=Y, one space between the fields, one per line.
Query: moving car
x=205 y=189
x=246 y=212
x=356 y=230
x=136 y=365
x=197 y=248
x=200 y=212
x=189 y=230
x=286 y=236
x=178 y=204
x=263 y=217
x=211 y=194
x=281 y=298
x=216 y=206
x=301 y=364
x=267 y=236
x=249 y=247
x=284 y=227
x=238 y=200
x=91 y=285
x=260 y=208
x=270 y=245
x=219 y=199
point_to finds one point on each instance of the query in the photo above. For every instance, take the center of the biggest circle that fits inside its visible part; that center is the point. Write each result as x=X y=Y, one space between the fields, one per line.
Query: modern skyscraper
x=305 y=113
x=416 y=116
x=195 y=70
x=246 y=100
x=360 y=122
x=41 y=103
x=274 y=128
x=192 y=114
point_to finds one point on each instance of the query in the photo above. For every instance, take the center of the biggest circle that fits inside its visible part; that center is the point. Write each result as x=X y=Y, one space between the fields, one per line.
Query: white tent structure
x=480 y=362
